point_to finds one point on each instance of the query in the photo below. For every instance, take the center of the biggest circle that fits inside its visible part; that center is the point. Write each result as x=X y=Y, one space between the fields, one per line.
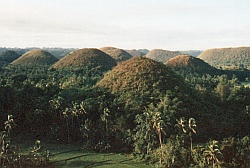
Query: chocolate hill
x=227 y=56
x=34 y=58
x=140 y=74
x=191 y=64
x=86 y=57
x=162 y=55
x=8 y=57
x=118 y=54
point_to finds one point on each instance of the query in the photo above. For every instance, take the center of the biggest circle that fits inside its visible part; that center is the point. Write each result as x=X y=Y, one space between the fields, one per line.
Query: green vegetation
x=140 y=108
x=7 y=57
x=237 y=58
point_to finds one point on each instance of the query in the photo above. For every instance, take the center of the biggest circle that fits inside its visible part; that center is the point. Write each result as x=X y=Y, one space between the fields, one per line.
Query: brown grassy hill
x=140 y=74
x=7 y=57
x=162 y=55
x=34 y=58
x=89 y=57
x=118 y=54
x=227 y=56
x=191 y=64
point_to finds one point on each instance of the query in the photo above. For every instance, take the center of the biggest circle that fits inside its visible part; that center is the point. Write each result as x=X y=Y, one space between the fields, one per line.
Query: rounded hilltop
x=162 y=55
x=140 y=74
x=7 y=57
x=86 y=57
x=227 y=56
x=34 y=58
x=118 y=54
x=191 y=64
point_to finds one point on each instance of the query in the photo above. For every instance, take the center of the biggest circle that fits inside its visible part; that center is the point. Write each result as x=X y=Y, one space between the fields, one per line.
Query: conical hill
x=86 y=57
x=191 y=64
x=227 y=56
x=118 y=54
x=35 y=57
x=140 y=74
x=8 y=57
x=162 y=55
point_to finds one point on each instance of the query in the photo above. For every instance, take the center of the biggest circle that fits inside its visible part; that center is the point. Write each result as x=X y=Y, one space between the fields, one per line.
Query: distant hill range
x=194 y=53
x=118 y=54
x=139 y=52
x=34 y=58
x=190 y=64
x=86 y=57
x=220 y=57
x=57 y=52
x=7 y=57
x=161 y=55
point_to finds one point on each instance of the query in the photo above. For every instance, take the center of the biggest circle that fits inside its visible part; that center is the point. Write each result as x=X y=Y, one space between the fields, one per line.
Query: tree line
x=65 y=106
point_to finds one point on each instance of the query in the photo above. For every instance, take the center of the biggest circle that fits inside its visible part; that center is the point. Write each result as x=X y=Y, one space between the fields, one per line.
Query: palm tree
x=188 y=128
x=212 y=154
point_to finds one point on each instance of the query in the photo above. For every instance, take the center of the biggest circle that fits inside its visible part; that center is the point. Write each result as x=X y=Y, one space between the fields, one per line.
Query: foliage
x=243 y=151
x=154 y=125
x=171 y=154
x=9 y=155
x=212 y=154
x=132 y=108
x=190 y=129
x=38 y=156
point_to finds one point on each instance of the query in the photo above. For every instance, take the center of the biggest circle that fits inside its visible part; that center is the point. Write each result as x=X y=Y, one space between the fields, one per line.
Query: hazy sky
x=127 y=24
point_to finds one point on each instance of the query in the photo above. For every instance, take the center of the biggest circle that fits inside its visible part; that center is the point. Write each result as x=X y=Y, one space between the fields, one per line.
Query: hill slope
x=135 y=53
x=227 y=56
x=90 y=57
x=139 y=52
x=141 y=74
x=162 y=55
x=7 y=57
x=35 y=57
x=192 y=64
x=118 y=54
x=194 y=53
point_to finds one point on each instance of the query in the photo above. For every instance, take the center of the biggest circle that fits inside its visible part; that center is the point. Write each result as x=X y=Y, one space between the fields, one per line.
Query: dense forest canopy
x=139 y=105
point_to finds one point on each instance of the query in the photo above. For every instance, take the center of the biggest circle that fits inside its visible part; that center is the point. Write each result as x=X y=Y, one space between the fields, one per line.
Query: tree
x=188 y=128
x=212 y=154
x=223 y=88
x=154 y=125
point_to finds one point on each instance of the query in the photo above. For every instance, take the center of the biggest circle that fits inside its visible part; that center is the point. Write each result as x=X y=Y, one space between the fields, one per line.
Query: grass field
x=64 y=156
